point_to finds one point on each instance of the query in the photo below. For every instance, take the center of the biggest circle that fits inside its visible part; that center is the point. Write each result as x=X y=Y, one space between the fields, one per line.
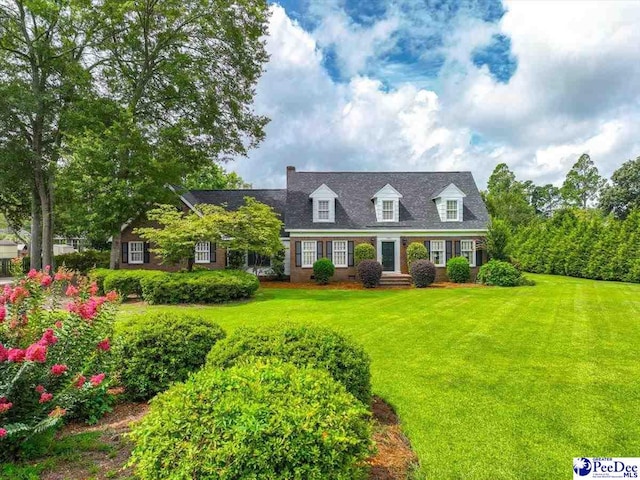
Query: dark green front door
x=388 y=256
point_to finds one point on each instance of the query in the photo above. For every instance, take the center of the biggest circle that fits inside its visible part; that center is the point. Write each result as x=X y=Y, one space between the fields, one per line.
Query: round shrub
x=203 y=286
x=416 y=251
x=160 y=349
x=370 y=272
x=364 y=251
x=458 y=270
x=423 y=273
x=310 y=346
x=497 y=272
x=258 y=420
x=323 y=270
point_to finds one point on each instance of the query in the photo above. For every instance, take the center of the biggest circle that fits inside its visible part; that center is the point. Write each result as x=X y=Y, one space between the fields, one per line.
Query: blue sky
x=448 y=85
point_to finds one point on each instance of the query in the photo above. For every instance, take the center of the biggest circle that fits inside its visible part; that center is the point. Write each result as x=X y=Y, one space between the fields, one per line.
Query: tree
x=214 y=177
x=497 y=240
x=582 y=184
x=118 y=91
x=506 y=198
x=545 y=199
x=43 y=45
x=254 y=227
x=623 y=194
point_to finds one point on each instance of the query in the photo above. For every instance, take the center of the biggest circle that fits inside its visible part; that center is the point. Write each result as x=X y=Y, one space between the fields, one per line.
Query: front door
x=388 y=256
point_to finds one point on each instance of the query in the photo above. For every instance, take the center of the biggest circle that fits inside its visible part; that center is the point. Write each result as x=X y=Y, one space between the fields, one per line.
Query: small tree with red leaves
x=54 y=351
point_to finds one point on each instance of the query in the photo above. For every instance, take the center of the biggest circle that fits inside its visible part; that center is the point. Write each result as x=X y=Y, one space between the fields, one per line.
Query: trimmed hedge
x=423 y=273
x=311 y=346
x=370 y=273
x=364 y=251
x=83 y=261
x=503 y=274
x=416 y=251
x=260 y=421
x=160 y=349
x=458 y=270
x=128 y=282
x=206 y=286
x=98 y=275
x=323 y=270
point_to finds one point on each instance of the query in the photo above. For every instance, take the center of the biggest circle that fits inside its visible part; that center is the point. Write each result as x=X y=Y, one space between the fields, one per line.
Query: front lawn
x=489 y=383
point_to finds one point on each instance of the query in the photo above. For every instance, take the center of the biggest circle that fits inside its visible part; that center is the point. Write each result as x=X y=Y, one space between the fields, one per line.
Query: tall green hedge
x=580 y=244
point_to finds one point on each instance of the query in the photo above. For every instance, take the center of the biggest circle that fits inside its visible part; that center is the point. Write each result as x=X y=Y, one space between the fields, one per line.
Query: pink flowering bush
x=54 y=352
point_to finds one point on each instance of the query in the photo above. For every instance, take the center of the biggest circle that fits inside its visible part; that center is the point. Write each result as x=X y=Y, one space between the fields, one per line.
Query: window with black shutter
x=125 y=252
x=146 y=255
x=330 y=250
x=319 y=250
x=298 y=254
x=449 y=250
x=351 y=261
x=456 y=245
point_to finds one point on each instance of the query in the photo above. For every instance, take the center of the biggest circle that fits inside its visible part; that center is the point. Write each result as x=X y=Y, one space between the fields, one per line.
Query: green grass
x=489 y=383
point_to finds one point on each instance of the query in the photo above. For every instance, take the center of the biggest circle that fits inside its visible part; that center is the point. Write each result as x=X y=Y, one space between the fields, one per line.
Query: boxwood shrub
x=423 y=273
x=370 y=273
x=128 y=282
x=416 y=251
x=311 y=346
x=503 y=274
x=458 y=270
x=159 y=349
x=323 y=270
x=206 y=286
x=98 y=275
x=255 y=421
x=364 y=251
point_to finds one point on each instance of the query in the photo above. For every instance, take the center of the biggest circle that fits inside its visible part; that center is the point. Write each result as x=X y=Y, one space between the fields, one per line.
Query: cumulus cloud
x=574 y=91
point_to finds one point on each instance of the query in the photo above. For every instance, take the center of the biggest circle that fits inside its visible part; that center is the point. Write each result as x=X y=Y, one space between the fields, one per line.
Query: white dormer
x=324 y=204
x=387 y=204
x=449 y=203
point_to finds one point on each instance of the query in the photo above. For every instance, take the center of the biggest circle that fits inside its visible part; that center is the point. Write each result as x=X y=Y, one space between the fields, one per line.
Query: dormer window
x=388 y=210
x=452 y=210
x=324 y=204
x=387 y=204
x=449 y=203
x=323 y=209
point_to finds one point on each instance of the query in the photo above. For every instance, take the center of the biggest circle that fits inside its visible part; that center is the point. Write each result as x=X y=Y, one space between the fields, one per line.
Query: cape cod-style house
x=326 y=214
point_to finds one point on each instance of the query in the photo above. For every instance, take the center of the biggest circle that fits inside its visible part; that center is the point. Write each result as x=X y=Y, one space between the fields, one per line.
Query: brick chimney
x=291 y=168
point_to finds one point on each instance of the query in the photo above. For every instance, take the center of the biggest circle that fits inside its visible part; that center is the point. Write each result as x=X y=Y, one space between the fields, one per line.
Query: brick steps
x=395 y=280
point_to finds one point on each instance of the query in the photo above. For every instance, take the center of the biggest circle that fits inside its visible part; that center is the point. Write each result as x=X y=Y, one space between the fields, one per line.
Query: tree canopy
x=622 y=195
x=583 y=183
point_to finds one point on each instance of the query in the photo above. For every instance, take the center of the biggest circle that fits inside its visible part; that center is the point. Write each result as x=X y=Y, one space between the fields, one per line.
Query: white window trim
x=472 y=262
x=393 y=209
x=326 y=211
x=130 y=251
x=442 y=252
x=345 y=250
x=446 y=209
x=303 y=249
x=207 y=258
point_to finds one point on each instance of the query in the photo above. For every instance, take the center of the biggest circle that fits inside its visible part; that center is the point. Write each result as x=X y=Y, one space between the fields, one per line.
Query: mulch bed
x=358 y=286
x=394 y=459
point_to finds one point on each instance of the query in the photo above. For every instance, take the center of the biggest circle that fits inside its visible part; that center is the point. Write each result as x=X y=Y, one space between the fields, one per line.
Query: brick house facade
x=326 y=214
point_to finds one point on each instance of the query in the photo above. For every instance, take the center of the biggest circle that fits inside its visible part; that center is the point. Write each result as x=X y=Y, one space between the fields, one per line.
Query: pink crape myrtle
x=54 y=335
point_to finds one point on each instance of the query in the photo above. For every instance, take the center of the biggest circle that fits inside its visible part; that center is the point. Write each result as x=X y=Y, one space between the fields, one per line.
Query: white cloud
x=575 y=90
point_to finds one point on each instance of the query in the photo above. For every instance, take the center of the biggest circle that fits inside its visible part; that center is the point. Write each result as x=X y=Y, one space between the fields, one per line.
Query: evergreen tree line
x=589 y=227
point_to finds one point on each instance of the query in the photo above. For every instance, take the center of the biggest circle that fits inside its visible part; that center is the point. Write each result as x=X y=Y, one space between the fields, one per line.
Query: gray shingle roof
x=355 y=209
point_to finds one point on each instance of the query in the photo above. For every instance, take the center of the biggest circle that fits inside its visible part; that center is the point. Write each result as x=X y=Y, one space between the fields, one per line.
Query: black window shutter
x=330 y=250
x=319 y=247
x=427 y=244
x=212 y=252
x=251 y=259
x=350 y=258
x=456 y=245
x=145 y=250
x=298 y=254
x=125 y=252
x=478 y=258
x=449 y=248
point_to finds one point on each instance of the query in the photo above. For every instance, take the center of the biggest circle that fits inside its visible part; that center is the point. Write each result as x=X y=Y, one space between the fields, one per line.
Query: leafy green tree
x=47 y=49
x=254 y=227
x=213 y=177
x=582 y=184
x=506 y=198
x=623 y=194
x=497 y=240
x=545 y=199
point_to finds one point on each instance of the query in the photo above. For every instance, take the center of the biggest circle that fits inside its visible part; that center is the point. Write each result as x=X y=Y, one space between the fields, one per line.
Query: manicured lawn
x=489 y=383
